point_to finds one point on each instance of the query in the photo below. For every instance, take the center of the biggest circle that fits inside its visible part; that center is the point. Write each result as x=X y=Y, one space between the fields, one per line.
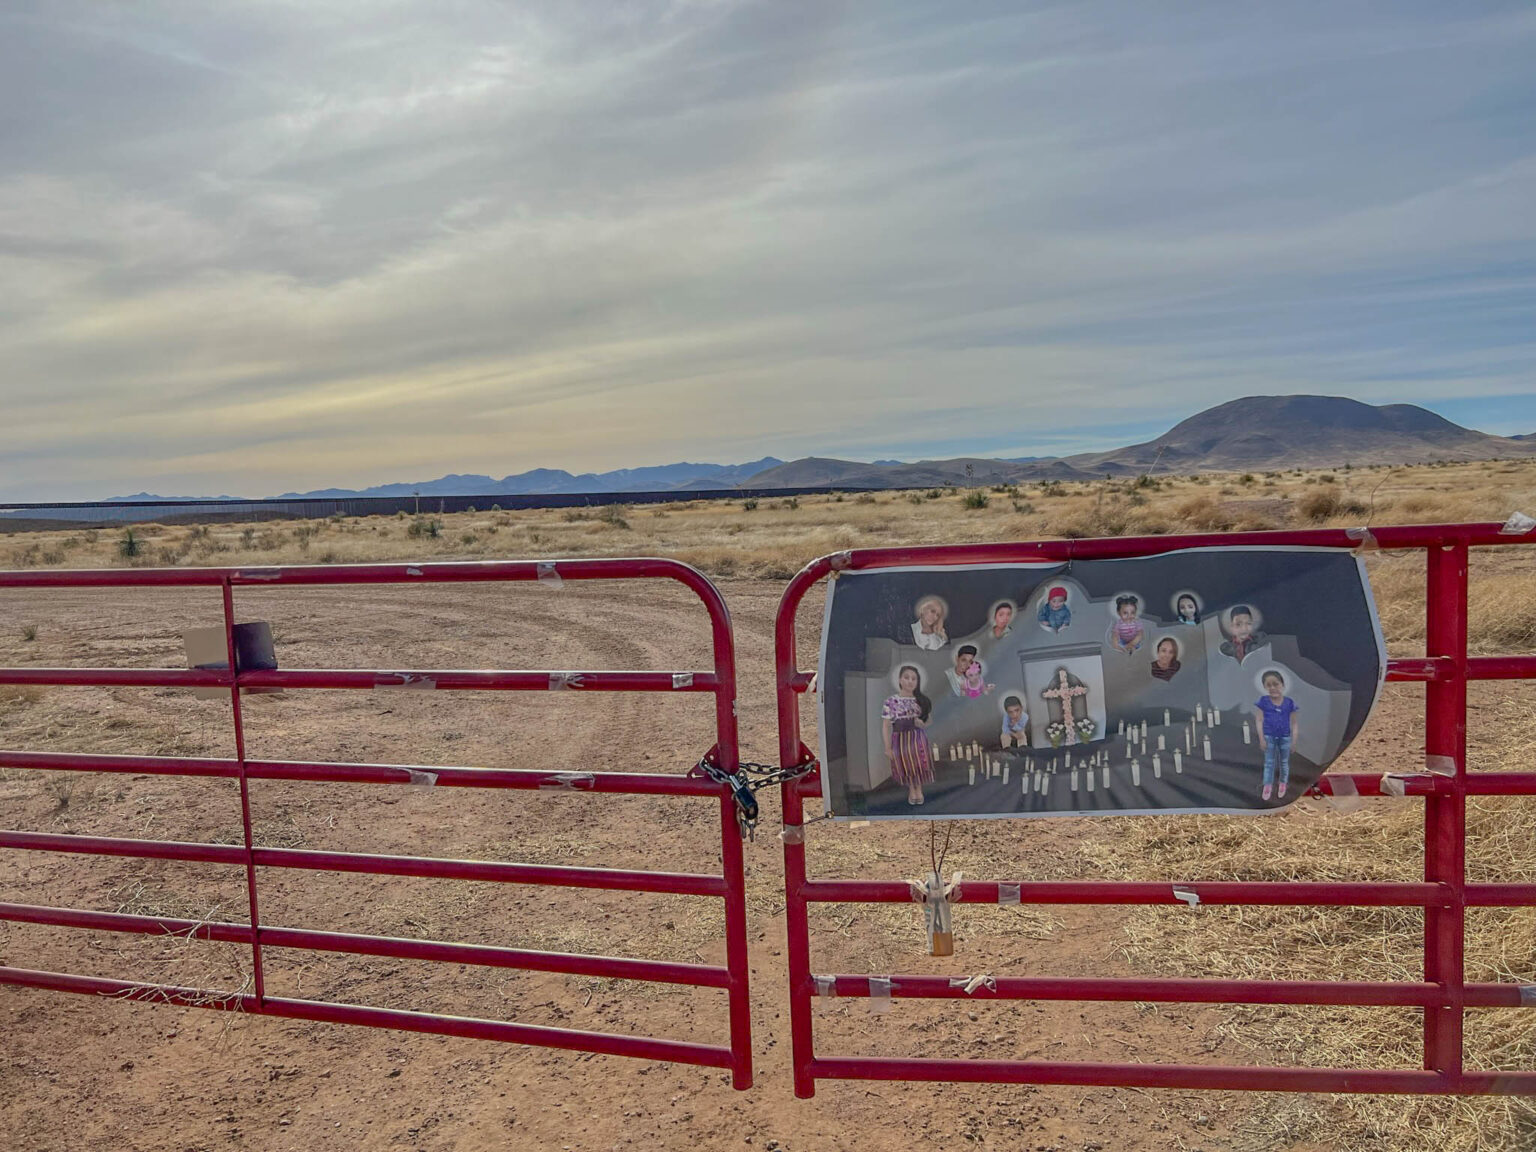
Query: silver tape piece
x=547 y=574
x=917 y=891
x=840 y=561
x=793 y=834
x=826 y=986
x=427 y=779
x=1518 y=524
x=1393 y=785
x=1007 y=893
x=565 y=781
x=682 y=679
x=413 y=571
x=1188 y=895
x=559 y=680
x=259 y=574
x=405 y=680
x=1441 y=765
x=1364 y=541
x=1344 y=797
x=1528 y=995
x=879 y=995
x=971 y=983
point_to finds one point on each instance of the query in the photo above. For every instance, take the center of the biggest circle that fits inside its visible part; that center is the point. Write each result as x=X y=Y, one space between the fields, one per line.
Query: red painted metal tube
x=615 y=783
x=1155 y=991
x=1500 y=895
x=1254 y=892
x=442 y=680
x=555 y=875
x=399 y=947
x=607 y=1043
x=1134 y=1075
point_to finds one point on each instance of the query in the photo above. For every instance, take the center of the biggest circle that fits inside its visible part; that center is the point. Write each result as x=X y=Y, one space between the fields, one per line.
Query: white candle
x=972 y=771
x=1160 y=743
x=1045 y=784
x=1199 y=711
x=1157 y=767
x=1024 y=785
x=1178 y=760
x=1136 y=773
x=1143 y=730
x=1189 y=742
x=1090 y=779
x=1122 y=727
x=1247 y=733
x=1166 y=718
x=1005 y=773
x=1104 y=776
x=1074 y=779
x=1215 y=718
x=1207 y=747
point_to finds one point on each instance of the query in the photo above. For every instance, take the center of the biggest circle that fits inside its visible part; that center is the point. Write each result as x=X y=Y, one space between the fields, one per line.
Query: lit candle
x=1178 y=760
x=1160 y=743
x=1136 y=773
x=972 y=771
x=1247 y=733
x=1157 y=766
x=1207 y=747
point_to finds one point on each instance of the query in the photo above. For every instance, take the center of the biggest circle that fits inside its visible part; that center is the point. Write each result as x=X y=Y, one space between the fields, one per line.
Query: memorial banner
x=1205 y=680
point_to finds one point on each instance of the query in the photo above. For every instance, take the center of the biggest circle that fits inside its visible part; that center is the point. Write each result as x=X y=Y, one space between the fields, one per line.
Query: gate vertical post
x=231 y=654
x=796 y=927
x=1445 y=812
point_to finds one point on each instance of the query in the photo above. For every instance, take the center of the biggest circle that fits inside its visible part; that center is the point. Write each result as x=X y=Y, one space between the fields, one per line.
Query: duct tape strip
x=793 y=834
x=413 y=571
x=405 y=680
x=1344 y=796
x=259 y=574
x=814 y=687
x=1518 y=524
x=826 y=986
x=840 y=561
x=971 y=983
x=547 y=574
x=1364 y=540
x=559 y=680
x=1393 y=785
x=682 y=679
x=879 y=995
x=1441 y=765
x=1528 y=995
x=1007 y=893
x=918 y=893
x=425 y=778
x=565 y=781
x=1188 y=895
x=858 y=824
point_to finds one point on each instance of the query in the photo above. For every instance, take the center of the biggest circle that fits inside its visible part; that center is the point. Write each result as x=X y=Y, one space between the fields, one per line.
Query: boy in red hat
x=1054 y=613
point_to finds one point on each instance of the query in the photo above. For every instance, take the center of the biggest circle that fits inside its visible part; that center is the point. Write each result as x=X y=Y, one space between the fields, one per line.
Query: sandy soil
x=78 y=1072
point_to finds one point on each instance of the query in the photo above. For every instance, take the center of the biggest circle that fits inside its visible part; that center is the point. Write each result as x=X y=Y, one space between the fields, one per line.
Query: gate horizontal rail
x=1445 y=893
x=719 y=681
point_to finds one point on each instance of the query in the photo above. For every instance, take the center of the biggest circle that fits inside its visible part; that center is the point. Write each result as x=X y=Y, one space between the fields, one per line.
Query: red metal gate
x=719 y=682
x=1444 y=895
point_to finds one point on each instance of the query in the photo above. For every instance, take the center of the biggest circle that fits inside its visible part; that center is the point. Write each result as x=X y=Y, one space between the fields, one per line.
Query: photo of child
x=928 y=629
x=903 y=718
x=967 y=677
x=1015 y=724
x=1186 y=609
x=1054 y=615
x=1002 y=620
x=1278 y=730
x=1165 y=664
x=1244 y=638
x=1127 y=633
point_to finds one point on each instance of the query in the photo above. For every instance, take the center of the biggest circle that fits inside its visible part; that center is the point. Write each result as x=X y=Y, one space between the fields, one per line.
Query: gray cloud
x=290 y=246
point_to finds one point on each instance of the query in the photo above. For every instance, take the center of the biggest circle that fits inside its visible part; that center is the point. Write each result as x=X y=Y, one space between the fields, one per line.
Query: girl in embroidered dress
x=902 y=720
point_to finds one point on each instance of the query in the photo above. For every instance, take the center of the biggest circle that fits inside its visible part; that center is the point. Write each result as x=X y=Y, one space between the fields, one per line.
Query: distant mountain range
x=1254 y=433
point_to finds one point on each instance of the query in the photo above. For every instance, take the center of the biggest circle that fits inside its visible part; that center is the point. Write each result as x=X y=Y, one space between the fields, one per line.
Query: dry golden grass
x=1382 y=840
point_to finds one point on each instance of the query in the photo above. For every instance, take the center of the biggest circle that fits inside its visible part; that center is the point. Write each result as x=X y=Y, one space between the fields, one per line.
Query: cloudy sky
x=251 y=248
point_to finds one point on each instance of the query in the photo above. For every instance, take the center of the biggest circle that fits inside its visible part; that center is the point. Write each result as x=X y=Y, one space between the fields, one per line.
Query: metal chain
x=749 y=779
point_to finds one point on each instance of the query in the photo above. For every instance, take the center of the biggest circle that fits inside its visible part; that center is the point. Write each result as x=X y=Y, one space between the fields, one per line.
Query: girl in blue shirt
x=1277 y=731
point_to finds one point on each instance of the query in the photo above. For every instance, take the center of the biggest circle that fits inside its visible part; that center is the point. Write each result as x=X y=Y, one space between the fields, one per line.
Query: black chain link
x=749 y=779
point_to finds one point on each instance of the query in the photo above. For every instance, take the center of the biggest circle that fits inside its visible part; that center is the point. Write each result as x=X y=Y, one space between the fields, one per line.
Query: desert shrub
x=974 y=500
x=471 y=508
x=1326 y=503
x=1247 y=478
x=1327 y=478
x=29 y=632
x=495 y=507
x=1204 y=513
x=914 y=497
x=792 y=504
x=613 y=516
x=468 y=538
x=865 y=498
x=1023 y=506
x=932 y=494
x=425 y=526
x=1052 y=488
x=130 y=545
x=749 y=505
x=247 y=537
